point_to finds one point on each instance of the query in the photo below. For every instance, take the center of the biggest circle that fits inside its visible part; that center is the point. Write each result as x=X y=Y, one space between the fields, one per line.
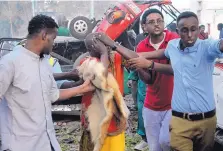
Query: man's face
x=48 y=41
x=154 y=24
x=90 y=46
x=202 y=29
x=187 y=28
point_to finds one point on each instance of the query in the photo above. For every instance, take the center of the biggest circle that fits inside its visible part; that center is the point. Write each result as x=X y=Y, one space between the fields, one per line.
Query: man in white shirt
x=28 y=85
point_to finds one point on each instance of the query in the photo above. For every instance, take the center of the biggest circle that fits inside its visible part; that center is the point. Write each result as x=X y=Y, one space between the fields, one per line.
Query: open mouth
x=190 y=41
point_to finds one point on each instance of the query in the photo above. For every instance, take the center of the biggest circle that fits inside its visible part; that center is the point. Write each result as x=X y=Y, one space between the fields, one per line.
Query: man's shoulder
x=143 y=46
x=174 y=42
x=13 y=56
x=171 y=35
x=143 y=42
x=207 y=41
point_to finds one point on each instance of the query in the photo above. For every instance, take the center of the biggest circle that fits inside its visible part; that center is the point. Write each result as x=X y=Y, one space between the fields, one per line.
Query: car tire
x=80 y=27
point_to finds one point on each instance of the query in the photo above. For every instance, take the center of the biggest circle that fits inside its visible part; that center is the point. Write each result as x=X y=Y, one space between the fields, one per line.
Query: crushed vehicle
x=218 y=93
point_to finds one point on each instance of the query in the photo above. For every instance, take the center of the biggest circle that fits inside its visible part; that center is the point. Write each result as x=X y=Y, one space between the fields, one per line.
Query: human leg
x=152 y=121
x=141 y=129
x=164 y=138
x=181 y=134
x=205 y=140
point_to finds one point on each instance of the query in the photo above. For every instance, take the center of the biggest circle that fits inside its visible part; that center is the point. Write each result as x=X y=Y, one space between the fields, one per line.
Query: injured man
x=104 y=113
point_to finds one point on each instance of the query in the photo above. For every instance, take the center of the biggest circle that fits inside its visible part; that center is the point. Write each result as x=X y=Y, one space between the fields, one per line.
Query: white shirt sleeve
x=54 y=91
x=6 y=75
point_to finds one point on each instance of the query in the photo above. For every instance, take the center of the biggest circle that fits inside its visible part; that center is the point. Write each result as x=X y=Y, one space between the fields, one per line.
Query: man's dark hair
x=148 y=12
x=201 y=26
x=186 y=14
x=40 y=22
x=220 y=25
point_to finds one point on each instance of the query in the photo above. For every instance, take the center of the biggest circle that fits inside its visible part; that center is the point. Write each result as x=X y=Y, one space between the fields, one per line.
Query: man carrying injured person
x=115 y=139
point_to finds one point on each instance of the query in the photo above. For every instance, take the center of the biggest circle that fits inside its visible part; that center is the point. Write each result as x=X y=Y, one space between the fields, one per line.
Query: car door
x=218 y=92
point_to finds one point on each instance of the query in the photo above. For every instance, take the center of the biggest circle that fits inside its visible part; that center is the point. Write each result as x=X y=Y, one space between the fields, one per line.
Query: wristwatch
x=114 y=47
x=151 y=67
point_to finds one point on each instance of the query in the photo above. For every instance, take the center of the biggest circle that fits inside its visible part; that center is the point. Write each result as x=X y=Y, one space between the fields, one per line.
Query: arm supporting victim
x=73 y=75
x=158 y=54
x=162 y=68
x=70 y=92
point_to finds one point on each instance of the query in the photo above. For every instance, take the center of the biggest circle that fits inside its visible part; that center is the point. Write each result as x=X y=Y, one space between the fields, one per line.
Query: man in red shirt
x=157 y=107
x=202 y=35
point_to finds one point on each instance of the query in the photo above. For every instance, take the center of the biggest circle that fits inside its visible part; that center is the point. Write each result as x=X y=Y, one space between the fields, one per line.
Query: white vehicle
x=218 y=92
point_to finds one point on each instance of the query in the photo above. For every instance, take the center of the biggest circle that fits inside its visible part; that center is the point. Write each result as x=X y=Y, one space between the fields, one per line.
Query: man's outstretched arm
x=158 y=54
x=142 y=63
x=71 y=84
x=72 y=75
x=129 y=54
x=145 y=76
x=133 y=56
x=65 y=94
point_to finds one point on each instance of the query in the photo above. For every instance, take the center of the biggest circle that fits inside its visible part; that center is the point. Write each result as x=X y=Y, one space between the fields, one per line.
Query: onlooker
x=202 y=35
x=220 y=28
x=193 y=107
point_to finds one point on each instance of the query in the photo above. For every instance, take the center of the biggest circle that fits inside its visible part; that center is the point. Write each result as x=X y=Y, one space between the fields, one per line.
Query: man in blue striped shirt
x=193 y=107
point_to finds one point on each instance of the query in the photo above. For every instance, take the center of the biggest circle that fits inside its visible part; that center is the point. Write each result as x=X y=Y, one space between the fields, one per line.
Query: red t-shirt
x=159 y=94
x=203 y=36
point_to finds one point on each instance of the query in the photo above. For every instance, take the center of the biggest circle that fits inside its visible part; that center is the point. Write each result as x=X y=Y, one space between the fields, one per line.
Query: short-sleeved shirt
x=159 y=94
x=27 y=83
x=193 y=68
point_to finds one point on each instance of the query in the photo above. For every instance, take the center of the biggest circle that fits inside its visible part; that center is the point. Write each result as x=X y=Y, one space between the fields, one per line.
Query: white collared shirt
x=27 y=83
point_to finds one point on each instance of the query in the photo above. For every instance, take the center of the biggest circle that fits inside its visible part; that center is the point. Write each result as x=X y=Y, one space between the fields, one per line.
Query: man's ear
x=177 y=30
x=43 y=34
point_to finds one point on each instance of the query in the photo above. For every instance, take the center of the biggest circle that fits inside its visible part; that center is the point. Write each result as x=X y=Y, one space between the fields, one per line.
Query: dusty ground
x=68 y=133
